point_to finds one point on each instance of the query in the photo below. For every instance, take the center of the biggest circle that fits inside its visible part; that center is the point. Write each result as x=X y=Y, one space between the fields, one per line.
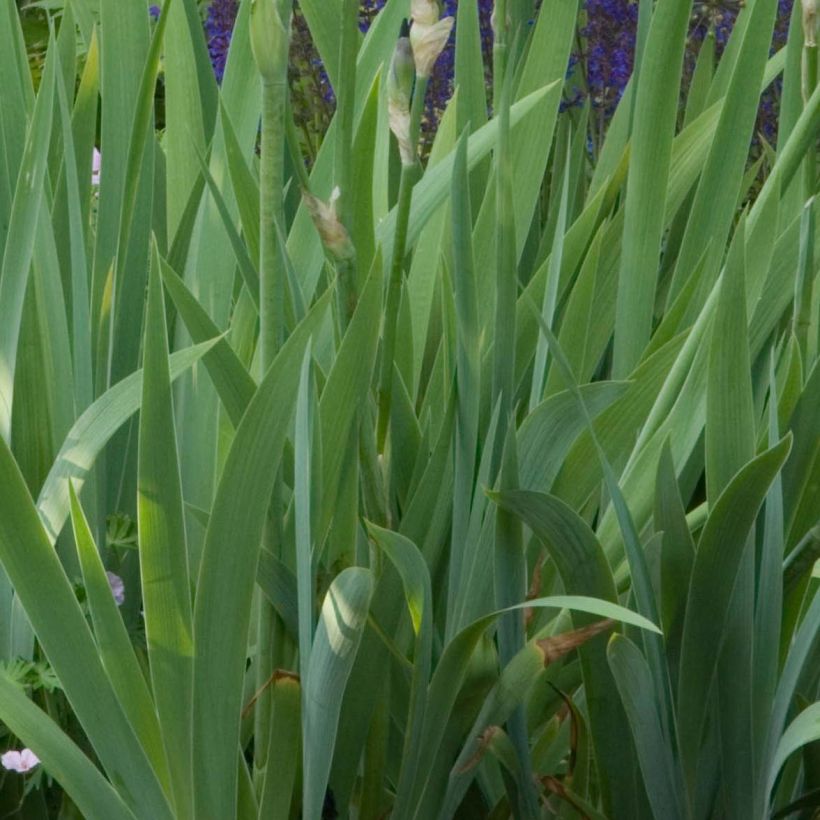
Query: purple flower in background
x=606 y=56
x=610 y=31
x=154 y=12
x=717 y=18
x=599 y=69
x=768 y=115
x=219 y=28
x=368 y=9
x=117 y=588
x=312 y=97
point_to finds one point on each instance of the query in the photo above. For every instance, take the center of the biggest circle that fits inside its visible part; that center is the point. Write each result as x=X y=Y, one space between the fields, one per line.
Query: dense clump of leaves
x=409 y=408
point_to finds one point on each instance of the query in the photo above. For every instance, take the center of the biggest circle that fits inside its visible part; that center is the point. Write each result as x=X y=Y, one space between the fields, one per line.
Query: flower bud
x=428 y=35
x=425 y=12
x=402 y=76
x=810 y=23
x=333 y=234
x=400 y=83
x=269 y=40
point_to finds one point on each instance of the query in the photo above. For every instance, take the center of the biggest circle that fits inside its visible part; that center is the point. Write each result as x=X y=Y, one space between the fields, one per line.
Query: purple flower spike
x=219 y=28
x=154 y=11
x=610 y=33
x=368 y=9
x=606 y=57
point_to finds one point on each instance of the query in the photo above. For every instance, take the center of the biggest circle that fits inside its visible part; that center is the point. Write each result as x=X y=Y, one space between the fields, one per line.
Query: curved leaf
x=163 y=551
x=635 y=685
x=335 y=644
x=91 y=433
x=717 y=561
x=804 y=729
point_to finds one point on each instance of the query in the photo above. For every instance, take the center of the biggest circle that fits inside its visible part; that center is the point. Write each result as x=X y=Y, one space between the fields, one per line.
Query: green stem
x=417 y=109
x=803 y=288
x=506 y=277
x=809 y=84
x=372 y=482
x=500 y=46
x=271 y=185
x=503 y=383
x=393 y=299
x=347 y=293
x=343 y=153
x=271 y=335
x=804 y=285
x=345 y=107
x=510 y=568
x=409 y=176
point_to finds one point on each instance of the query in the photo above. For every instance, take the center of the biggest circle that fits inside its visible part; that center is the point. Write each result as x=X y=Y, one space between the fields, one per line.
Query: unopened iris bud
x=333 y=234
x=269 y=40
x=400 y=83
x=402 y=76
x=425 y=12
x=428 y=34
x=810 y=22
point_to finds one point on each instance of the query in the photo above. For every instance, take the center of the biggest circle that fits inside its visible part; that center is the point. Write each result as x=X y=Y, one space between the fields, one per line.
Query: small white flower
x=22 y=761
x=117 y=588
x=95 y=167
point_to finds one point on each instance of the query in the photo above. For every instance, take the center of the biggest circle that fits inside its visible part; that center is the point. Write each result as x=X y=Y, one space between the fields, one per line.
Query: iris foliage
x=386 y=432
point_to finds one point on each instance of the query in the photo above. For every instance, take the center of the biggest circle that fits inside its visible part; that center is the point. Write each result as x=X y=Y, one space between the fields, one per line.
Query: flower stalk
x=343 y=158
x=804 y=285
x=270 y=38
x=500 y=23
x=809 y=78
x=269 y=42
x=405 y=100
x=503 y=383
x=419 y=46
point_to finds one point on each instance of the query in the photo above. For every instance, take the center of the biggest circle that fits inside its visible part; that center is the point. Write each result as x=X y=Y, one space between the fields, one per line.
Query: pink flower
x=117 y=588
x=95 y=167
x=19 y=761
